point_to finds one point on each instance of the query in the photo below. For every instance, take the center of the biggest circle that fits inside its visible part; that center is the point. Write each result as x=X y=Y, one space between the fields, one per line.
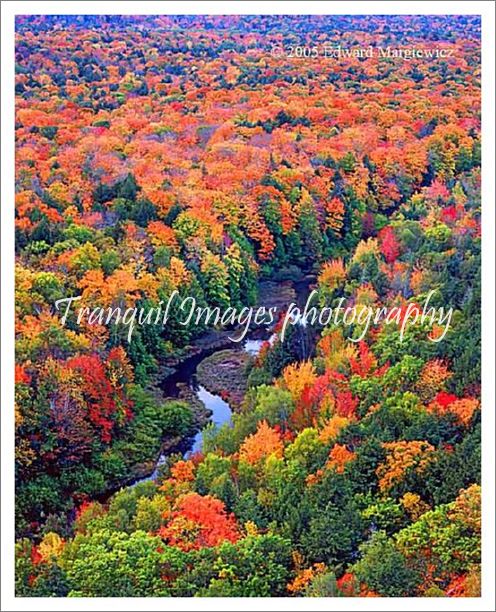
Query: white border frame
x=486 y=9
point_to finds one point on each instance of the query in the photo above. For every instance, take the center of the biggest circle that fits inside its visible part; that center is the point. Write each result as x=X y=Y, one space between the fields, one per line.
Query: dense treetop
x=161 y=153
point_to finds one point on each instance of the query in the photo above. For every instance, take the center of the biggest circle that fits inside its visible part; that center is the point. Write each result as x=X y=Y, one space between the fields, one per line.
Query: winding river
x=185 y=375
x=221 y=411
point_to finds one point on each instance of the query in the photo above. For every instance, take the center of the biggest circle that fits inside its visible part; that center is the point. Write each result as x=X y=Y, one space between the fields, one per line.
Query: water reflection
x=221 y=413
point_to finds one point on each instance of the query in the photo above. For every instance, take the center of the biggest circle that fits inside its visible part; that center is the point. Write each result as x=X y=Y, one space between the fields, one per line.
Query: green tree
x=384 y=569
x=130 y=565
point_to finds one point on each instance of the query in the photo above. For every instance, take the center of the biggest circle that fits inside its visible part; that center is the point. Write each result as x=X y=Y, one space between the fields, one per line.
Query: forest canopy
x=177 y=153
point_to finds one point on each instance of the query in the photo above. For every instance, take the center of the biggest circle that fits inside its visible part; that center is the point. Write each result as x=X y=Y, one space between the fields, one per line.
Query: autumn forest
x=232 y=159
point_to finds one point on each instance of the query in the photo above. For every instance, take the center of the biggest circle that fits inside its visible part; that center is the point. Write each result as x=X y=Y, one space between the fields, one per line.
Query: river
x=220 y=409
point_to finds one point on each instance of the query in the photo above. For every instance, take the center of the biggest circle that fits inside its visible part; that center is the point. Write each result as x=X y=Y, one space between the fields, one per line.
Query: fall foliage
x=175 y=155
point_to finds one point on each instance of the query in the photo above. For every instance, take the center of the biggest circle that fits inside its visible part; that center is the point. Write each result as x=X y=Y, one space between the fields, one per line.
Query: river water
x=220 y=409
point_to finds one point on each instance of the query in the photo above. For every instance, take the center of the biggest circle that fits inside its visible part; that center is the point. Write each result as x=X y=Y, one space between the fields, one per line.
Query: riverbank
x=225 y=373
x=211 y=376
x=271 y=294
